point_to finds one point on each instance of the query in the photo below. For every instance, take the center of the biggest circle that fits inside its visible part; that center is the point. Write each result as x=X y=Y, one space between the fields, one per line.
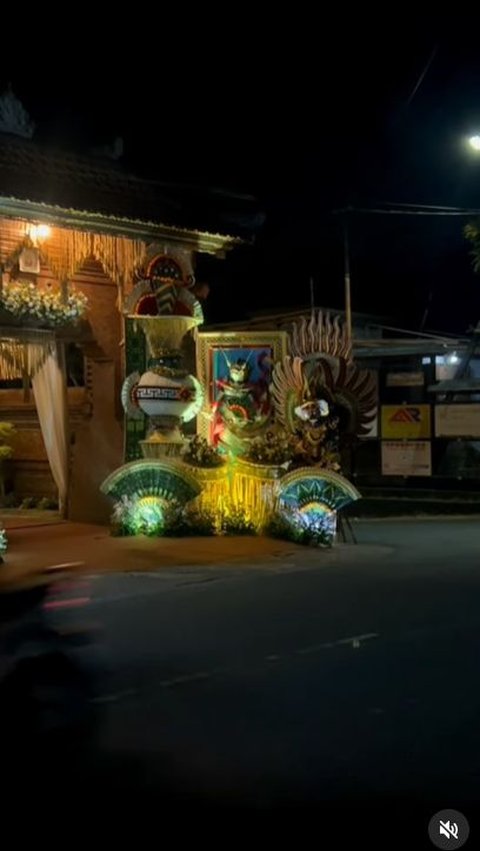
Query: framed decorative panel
x=235 y=369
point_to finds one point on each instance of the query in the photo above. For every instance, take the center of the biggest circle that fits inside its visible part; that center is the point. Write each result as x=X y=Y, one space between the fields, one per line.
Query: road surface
x=344 y=684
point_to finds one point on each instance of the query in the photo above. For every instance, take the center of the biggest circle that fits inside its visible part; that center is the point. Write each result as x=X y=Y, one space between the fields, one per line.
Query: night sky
x=308 y=117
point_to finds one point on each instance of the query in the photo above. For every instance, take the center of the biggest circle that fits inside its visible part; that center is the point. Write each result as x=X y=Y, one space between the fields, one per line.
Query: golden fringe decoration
x=254 y=497
x=165 y=333
x=212 y=499
x=20 y=358
x=238 y=487
x=69 y=250
x=214 y=483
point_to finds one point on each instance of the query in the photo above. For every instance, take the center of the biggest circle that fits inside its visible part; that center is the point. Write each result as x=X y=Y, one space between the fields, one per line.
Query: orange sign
x=405 y=421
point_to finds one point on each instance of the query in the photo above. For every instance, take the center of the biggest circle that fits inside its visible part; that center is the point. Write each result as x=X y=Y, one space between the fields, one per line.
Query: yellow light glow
x=43 y=231
x=474 y=142
x=230 y=492
x=39 y=233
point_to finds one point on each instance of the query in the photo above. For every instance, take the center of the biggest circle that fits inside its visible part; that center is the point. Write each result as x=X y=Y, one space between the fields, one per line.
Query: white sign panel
x=457 y=420
x=29 y=261
x=406 y=458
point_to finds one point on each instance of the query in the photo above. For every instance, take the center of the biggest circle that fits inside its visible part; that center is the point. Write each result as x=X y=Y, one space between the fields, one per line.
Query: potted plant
x=268 y=456
x=24 y=303
x=207 y=463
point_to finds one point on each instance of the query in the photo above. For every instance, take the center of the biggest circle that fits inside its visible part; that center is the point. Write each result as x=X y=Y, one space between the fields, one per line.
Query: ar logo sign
x=406 y=415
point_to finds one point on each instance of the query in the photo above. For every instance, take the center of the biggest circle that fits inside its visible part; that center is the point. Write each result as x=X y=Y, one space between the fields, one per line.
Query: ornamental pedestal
x=165 y=393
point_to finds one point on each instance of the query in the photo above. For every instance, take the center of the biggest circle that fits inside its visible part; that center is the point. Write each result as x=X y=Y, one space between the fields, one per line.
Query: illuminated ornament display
x=255 y=472
x=211 y=472
x=242 y=405
x=168 y=479
x=165 y=393
x=309 y=500
x=140 y=516
x=320 y=396
x=143 y=490
x=253 y=490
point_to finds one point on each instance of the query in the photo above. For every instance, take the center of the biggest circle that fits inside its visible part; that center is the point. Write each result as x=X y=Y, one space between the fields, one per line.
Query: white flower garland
x=26 y=301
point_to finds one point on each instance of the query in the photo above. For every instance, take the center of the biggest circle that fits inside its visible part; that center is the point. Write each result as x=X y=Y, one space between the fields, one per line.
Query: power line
x=401 y=205
x=422 y=76
x=411 y=210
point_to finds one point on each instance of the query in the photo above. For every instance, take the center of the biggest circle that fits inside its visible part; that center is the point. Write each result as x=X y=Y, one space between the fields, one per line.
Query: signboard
x=180 y=393
x=29 y=261
x=406 y=458
x=405 y=421
x=457 y=420
x=405 y=379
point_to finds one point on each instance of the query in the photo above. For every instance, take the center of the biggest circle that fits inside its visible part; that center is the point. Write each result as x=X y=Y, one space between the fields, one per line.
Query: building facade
x=74 y=228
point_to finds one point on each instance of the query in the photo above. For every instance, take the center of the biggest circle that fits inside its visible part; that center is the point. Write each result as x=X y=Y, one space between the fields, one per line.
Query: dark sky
x=306 y=114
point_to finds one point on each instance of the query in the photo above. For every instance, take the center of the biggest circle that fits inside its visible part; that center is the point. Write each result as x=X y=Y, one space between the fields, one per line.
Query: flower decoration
x=47 y=307
x=200 y=454
x=274 y=447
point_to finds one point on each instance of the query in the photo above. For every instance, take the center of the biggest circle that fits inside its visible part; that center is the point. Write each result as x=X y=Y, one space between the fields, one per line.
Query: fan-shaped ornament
x=128 y=395
x=169 y=480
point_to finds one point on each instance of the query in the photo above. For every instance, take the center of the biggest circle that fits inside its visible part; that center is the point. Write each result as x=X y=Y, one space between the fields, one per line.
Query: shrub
x=184 y=523
x=280 y=527
x=234 y=522
x=47 y=503
x=11 y=500
x=28 y=502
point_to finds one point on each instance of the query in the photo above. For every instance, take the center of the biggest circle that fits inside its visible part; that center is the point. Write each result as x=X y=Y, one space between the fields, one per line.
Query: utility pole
x=346 y=277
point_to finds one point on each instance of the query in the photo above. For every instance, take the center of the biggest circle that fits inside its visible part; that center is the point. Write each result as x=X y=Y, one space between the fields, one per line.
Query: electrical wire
x=411 y=210
x=422 y=76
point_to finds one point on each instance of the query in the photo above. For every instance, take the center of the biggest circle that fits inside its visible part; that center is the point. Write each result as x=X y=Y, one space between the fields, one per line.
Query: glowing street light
x=474 y=142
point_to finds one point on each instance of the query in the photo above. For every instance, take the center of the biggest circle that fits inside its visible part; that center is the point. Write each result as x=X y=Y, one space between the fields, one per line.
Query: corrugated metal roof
x=69 y=181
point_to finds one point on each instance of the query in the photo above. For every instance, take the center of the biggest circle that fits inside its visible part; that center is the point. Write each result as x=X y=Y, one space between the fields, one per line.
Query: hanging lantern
x=29 y=260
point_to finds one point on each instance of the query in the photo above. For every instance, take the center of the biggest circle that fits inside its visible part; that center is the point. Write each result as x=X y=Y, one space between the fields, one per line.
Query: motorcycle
x=47 y=689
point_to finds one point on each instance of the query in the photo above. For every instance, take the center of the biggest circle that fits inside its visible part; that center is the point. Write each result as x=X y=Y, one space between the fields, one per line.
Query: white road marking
x=354 y=641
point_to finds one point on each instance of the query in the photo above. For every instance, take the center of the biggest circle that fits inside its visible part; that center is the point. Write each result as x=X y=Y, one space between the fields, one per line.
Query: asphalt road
x=341 y=684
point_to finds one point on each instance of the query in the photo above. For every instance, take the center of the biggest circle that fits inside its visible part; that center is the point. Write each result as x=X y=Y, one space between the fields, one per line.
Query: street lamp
x=474 y=142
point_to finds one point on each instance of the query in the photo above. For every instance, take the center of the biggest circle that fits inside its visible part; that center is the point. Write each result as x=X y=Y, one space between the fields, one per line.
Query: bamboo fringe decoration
x=212 y=498
x=254 y=498
x=69 y=250
x=19 y=358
